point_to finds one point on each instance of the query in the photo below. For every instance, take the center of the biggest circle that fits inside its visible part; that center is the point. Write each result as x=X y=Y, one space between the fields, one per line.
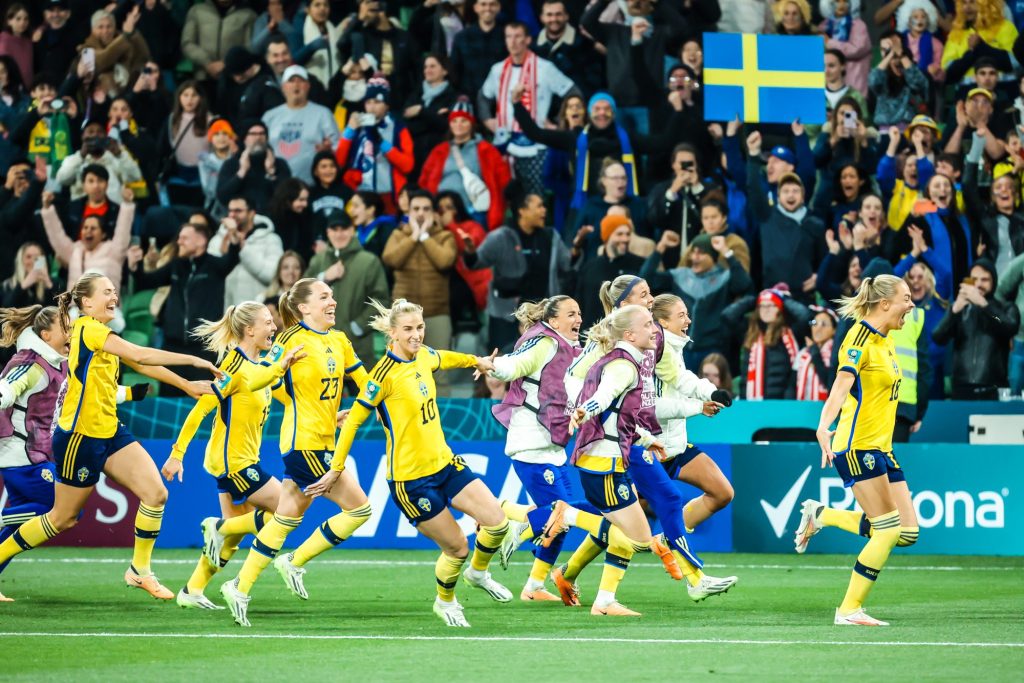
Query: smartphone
x=923 y=206
x=89 y=59
x=40 y=263
x=152 y=243
x=367 y=120
x=968 y=281
x=849 y=119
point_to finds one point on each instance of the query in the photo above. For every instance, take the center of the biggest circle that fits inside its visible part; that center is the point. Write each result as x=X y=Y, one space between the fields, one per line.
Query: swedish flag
x=764 y=78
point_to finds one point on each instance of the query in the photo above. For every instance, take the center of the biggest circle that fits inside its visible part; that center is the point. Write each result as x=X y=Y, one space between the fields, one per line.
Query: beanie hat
x=611 y=223
x=990 y=267
x=600 y=97
x=220 y=126
x=238 y=60
x=770 y=296
x=703 y=242
x=378 y=88
x=462 y=108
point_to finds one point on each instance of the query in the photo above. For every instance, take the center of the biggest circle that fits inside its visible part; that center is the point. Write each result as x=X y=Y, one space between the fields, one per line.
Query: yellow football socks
x=488 y=540
x=249 y=523
x=620 y=551
x=885 y=532
x=586 y=553
x=204 y=571
x=539 y=571
x=332 y=532
x=847 y=520
x=147 y=528
x=264 y=548
x=908 y=536
x=515 y=511
x=446 y=570
x=691 y=573
x=35 y=531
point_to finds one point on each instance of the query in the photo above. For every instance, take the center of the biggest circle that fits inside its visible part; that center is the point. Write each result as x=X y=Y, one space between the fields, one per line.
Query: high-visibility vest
x=906 y=340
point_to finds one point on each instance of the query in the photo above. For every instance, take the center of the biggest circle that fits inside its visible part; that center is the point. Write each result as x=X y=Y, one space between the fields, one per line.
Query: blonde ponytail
x=288 y=304
x=614 y=292
x=387 y=318
x=614 y=326
x=220 y=335
x=871 y=291
x=14 y=321
x=530 y=313
x=663 y=304
x=81 y=289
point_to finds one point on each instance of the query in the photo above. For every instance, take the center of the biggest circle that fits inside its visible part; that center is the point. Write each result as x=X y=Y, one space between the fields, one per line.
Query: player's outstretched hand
x=578 y=417
x=324 y=485
x=197 y=388
x=294 y=355
x=204 y=364
x=825 y=441
x=173 y=467
x=340 y=418
x=658 y=449
x=712 y=408
x=485 y=364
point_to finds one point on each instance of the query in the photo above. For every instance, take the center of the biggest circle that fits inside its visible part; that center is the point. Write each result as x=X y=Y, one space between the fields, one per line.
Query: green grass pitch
x=369 y=619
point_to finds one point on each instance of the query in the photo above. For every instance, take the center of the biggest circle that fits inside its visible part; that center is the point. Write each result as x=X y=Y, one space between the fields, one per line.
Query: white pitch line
x=512 y=639
x=424 y=563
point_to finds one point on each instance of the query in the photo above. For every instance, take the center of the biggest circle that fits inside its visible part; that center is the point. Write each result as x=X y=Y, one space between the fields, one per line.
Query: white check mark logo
x=779 y=514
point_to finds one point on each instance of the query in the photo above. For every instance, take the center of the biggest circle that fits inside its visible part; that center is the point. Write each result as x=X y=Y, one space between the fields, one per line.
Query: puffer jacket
x=259 y=257
x=422 y=268
x=207 y=35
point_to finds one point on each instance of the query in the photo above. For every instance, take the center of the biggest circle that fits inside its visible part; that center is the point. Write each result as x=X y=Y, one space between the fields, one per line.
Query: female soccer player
x=89 y=439
x=865 y=396
x=311 y=394
x=424 y=476
x=242 y=402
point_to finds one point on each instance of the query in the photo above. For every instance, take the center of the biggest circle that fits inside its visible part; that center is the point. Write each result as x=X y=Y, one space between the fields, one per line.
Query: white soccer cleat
x=511 y=542
x=858 y=618
x=809 y=524
x=710 y=585
x=213 y=540
x=238 y=602
x=194 y=600
x=292 y=575
x=484 y=582
x=450 y=613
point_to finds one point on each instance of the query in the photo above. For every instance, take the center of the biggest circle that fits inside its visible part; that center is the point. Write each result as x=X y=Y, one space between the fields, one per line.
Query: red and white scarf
x=756 y=362
x=809 y=386
x=528 y=78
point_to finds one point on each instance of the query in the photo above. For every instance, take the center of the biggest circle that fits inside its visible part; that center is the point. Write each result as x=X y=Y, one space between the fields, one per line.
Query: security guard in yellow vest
x=912 y=357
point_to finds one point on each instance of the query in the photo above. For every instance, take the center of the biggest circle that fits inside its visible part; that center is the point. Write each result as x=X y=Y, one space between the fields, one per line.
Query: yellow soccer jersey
x=90 y=404
x=405 y=398
x=311 y=390
x=868 y=415
x=242 y=401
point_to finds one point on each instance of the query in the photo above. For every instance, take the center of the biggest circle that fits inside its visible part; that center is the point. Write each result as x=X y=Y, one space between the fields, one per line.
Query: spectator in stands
x=847 y=188
x=150 y=100
x=980 y=327
x=421 y=253
x=836 y=87
x=260 y=250
x=99 y=248
x=999 y=221
x=781 y=160
x=917 y=169
x=434 y=25
x=921 y=281
x=528 y=262
x=376 y=150
x=98 y=150
x=315 y=41
x=254 y=172
x=19 y=198
x=468 y=288
x=897 y=84
x=212 y=27
x=123 y=128
x=770 y=342
x=569 y=50
x=272 y=23
x=263 y=92
x=715 y=369
x=840 y=271
x=846 y=32
x=675 y=204
x=918 y=23
x=182 y=140
x=942 y=237
x=117 y=56
x=845 y=140
x=56 y=41
x=223 y=146
x=14 y=101
x=533 y=82
x=814 y=370
x=95 y=201
x=706 y=287
x=714 y=220
x=196 y=281
x=469 y=166
x=328 y=191
x=16 y=40
x=289 y=270
x=792 y=17
x=979 y=30
x=614 y=183
x=426 y=111
x=792 y=240
x=613 y=261
x=373 y=224
x=1010 y=290
x=242 y=70
x=355 y=276
x=292 y=219
x=373 y=33
x=972 y=123
x=34 y=130
x=31 y=283
x=477 y=47
x=298 y=129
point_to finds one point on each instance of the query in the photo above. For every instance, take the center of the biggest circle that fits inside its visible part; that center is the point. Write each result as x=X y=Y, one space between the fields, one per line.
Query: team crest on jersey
x=331 y=365
x=853 y=355
x=423 y=389
x=869 y=461
x=423 y=504
x=623 y=491
x=275 y=353
x=648 y=458
x=252 y=473
x=47 y=475
x=549 y=477
x=83 y=474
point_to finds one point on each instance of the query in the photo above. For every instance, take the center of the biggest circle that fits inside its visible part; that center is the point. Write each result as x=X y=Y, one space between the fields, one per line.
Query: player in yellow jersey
x=89 y=439
x=311 y=393
x=242 y=401
x=865 y=396
x=424 y=476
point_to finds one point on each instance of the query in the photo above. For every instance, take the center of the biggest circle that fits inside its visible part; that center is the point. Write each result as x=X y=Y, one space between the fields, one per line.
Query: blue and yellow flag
x=764 y=78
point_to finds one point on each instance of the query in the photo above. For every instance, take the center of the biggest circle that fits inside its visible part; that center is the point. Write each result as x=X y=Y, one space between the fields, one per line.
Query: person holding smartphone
x=31 y=283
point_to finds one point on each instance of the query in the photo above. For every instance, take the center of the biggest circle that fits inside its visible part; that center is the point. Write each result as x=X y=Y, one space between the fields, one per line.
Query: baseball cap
x=980 y=91
x=295 y=70
x=783 y=153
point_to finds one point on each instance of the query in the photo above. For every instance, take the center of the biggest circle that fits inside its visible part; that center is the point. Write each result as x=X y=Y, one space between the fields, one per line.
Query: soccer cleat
x=569 y=591
x=538 y=595
x=292 y=575
x=238 y=602
x=4 y=598
x=710 y=585
x=483 y=581
x=511 y=542
x=194 y=600
x=148 y=583
x=858 y=618
x=667 y=559
x=213 y=540
x=555 y=524
x=450 y=613
x=613 y=609
x=809 y=524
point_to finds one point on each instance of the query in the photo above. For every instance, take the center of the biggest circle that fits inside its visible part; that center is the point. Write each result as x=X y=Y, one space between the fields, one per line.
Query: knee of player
x=61 y=521
x=157 y=498
x=908 y=536
x=721 y=496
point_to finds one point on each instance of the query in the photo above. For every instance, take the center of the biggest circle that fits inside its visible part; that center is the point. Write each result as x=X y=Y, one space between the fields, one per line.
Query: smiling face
x=57 y=338
x=326 y=171
x=407 y=334
x=791 y=196
x=358 y=211
x=279 y=57
x=602 y=114
x=641 y=332
x=871 y=213
x=940 y=191
x=102 y=300
x=678 y=319
x=982 y=280
x=849 y=183
x=261 y=332
x=1004 y=190
x=300 y=203
x=792 y=19
x=822 y=328
x=693 y=55
x=618 y=242
x=191 y=242
x=433 y=72
x=554 y=18
x=289 y=271
x=640 y=295
x=104 y=30
x=92 y=233
x=567 y=320
x=919 y=284
x=896 y=307
x=318 y=310
x=487 y=10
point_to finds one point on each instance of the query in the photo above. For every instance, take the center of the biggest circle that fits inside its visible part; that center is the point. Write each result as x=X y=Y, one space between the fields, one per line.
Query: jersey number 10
x=428 y=411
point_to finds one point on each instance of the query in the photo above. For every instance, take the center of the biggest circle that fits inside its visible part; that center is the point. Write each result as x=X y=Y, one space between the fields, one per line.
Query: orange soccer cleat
x=671 y=566
x=148 y=583
x=555 y=524
x=613 y=609
x=569 y=592
x=539 y=595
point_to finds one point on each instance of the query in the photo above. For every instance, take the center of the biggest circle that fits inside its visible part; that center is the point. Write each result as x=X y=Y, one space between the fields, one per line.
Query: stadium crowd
x=469 y=156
